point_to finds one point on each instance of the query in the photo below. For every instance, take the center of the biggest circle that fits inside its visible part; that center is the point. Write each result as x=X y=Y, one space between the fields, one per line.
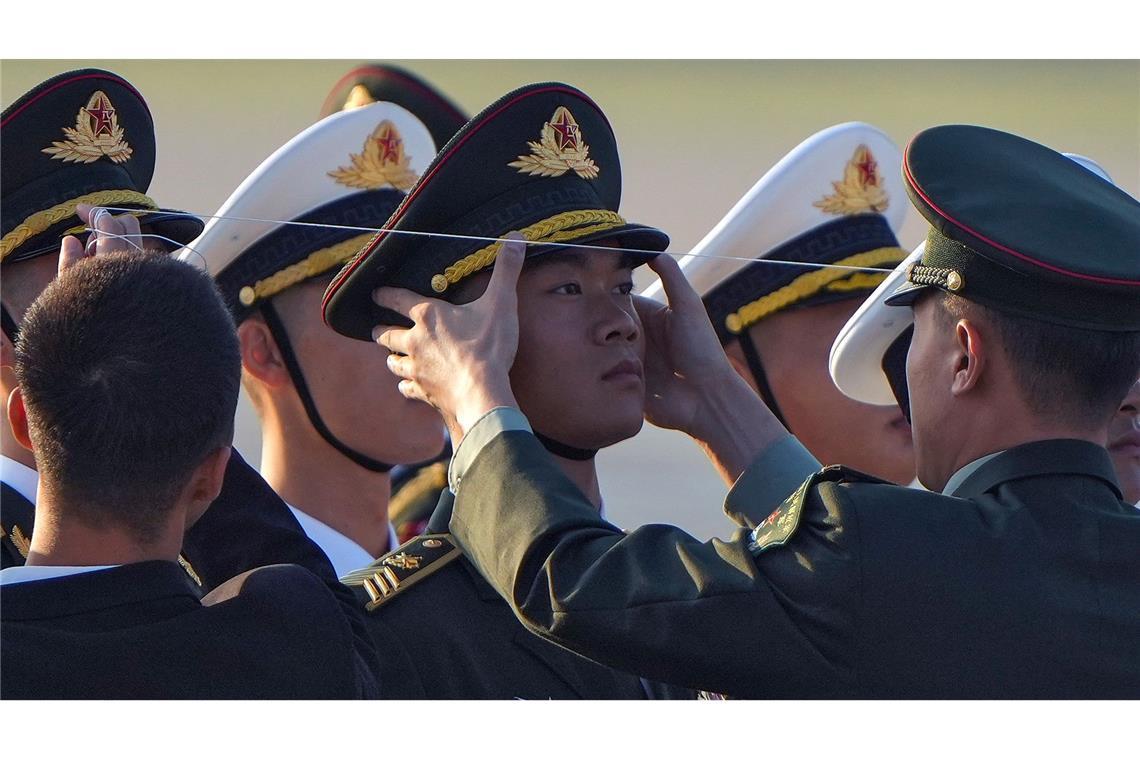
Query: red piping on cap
x=439 y=164
x=57 y=85
x=398 y=75
x=1078 y=275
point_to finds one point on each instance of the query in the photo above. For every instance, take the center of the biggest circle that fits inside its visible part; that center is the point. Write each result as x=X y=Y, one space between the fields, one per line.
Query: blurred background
x=694 y=136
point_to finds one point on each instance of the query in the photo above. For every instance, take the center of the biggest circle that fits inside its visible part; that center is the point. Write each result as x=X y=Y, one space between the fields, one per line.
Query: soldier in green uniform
x=542 y=160
x=1014 y=577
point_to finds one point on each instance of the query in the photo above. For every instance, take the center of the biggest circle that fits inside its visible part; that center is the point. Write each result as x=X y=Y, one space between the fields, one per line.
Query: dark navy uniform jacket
x=17 y=516
x=142 y=631
x=450 y=636
x=1024 y=583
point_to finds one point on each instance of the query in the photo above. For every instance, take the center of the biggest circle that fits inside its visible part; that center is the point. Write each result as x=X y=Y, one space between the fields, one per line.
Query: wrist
x=481 y=398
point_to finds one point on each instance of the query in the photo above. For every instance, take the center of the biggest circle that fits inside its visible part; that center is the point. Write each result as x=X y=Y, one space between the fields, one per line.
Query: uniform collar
x=75 y=594
x=25 y=573
x=20 y=477
x=1049 y=458
x=960 y=476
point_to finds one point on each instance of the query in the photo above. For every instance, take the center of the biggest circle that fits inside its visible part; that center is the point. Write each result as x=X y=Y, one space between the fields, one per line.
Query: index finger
x=678 y=290
x=508 y=265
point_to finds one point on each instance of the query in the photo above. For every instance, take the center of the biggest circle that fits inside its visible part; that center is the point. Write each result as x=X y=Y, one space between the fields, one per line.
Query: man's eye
x=569 y=289
x=625 y=288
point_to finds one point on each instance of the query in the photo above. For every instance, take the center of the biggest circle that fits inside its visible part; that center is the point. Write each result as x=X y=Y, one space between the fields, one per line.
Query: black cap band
x=978 y=279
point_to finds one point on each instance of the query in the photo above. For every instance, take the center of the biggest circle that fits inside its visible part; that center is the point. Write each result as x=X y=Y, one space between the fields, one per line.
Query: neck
x=583 y=474
x=321 y=482
x=68 y=541
x=990 y=434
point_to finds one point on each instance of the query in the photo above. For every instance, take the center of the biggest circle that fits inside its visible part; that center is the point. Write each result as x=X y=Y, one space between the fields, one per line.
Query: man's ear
x=18 y=419
x=972 y=353
x=260 y=356
x=206 y=483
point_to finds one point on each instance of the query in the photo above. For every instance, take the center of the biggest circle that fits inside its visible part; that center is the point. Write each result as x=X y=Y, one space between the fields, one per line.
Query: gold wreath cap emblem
x=560 y=149
x=861 y=189
x=96 y=134
x=382 y=162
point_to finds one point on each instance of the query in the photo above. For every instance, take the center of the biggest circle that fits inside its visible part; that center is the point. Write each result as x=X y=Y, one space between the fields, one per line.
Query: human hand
x=684 y=361
x=458 y=357
x=110 y=233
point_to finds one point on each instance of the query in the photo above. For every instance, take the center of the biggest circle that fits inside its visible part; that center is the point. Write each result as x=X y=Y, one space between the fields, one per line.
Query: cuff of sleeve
x=776 y=472
x=498 y=420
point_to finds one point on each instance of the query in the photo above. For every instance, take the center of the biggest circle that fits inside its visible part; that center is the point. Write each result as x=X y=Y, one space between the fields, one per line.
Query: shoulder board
x=420 y=488
x=398 y=570
x=779 y=526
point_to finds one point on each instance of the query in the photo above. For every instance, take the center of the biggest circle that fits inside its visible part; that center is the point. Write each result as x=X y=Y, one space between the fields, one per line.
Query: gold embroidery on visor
x=570 y=225
x=807 y=285
x=315 y=263
x=42 y=221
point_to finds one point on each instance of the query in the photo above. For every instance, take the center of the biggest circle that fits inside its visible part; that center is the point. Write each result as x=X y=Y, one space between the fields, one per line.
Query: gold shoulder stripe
x=402 y=568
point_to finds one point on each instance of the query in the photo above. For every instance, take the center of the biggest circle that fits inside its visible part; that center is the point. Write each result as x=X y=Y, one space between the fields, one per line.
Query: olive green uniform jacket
x=1023 y=583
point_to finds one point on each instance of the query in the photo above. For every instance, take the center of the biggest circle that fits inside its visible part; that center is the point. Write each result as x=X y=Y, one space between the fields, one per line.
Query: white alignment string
x=128 y=239
x=586 y=246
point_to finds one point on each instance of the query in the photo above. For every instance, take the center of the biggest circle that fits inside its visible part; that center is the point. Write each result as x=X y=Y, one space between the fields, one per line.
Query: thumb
x=70 y=251
x=508 y=265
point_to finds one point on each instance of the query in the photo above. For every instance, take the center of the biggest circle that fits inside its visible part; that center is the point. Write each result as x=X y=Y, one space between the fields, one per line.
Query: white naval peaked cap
x=845 y=172
x=856 y=359
x=344 y=176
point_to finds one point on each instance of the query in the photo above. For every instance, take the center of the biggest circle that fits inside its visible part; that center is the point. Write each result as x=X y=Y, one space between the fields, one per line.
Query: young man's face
x=352 y=387
x=578 y=373
x=794 y=347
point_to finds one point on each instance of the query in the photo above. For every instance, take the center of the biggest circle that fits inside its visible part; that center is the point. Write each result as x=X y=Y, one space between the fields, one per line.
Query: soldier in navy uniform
x=837 y=198
x=333 y=423
x=81 y=139
x=415 y=488
x=543 y=160
x=129 y=371
x=1014 y=577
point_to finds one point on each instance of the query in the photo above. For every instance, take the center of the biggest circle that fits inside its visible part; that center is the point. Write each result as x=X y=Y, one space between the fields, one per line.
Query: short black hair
x=129 y=366
x=1069 y=374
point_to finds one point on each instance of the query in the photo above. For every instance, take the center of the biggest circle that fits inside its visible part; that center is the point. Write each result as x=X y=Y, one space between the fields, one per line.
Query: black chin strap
x=564 y=451
x=757 y=369
x=277 y=329
x=11 y=329
x=894 y=367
